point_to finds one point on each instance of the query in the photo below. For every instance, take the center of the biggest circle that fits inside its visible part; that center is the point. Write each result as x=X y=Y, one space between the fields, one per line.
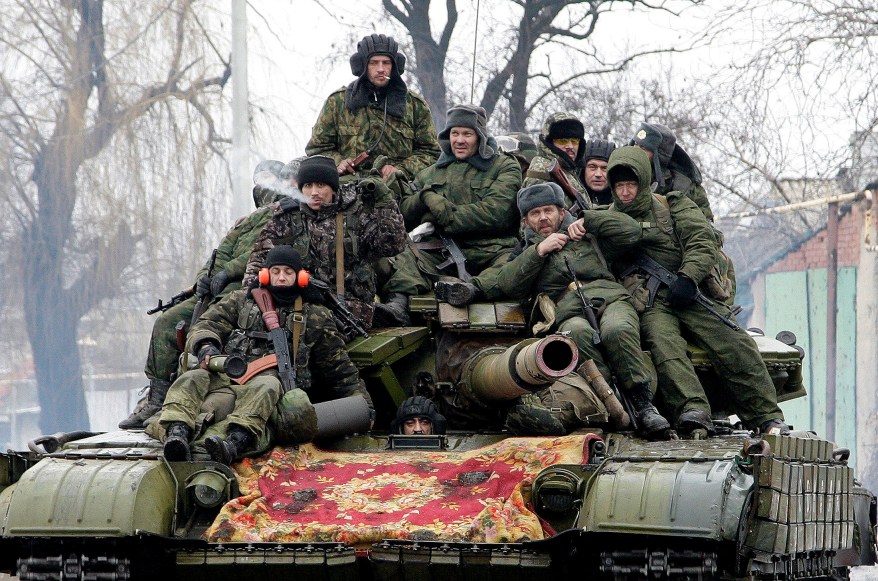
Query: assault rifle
x=175 y=300
x=659 y=275
x=455 y=257
x=590 y=312
x=574 y=194
x=286 y=369
x=349 y=321
x=588 y=308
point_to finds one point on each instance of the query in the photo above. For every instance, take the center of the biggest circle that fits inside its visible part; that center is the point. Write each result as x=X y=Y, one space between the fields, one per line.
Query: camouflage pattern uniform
x=530 y=274
x=373 y=228
x=539 y=169
x=409 y=142
x=231 y=257
x=691 y=250
x=323 y=369
x=483 y=221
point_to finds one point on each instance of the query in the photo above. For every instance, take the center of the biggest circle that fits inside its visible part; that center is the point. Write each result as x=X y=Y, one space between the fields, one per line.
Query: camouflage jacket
x=529 y=274
x=678 y=182
x=485 y=215
x=408 y=143
x=688 y=245
x=234 y=250
x=371 y=231
x=323 y=368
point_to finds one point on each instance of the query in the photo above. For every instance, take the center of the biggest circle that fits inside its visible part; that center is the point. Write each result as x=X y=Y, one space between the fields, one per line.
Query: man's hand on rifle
x=442 y=209
x=219 y=282
x=346 y=167
x=202 y=287
x=577 y=230
x=207 y=350
x=681 y=292
x=553 y=242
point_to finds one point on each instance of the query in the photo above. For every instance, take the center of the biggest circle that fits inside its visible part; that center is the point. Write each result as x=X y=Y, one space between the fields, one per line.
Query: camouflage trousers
x=255 y=402
x=745 y=380
x=161 y=361
x=620 y=337
x=412 y=275
x=164 y=355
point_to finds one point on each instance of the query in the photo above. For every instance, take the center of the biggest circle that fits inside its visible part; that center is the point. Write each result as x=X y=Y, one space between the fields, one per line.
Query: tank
x=477 y=502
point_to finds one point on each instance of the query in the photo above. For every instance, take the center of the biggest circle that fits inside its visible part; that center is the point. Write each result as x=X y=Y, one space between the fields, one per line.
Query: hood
x=636 y=160
x=546 y=149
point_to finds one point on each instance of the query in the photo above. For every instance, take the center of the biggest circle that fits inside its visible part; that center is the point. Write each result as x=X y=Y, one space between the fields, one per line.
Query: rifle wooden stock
x=265 y=302
x=360 y=159
x=561 y=178
x=619 y=418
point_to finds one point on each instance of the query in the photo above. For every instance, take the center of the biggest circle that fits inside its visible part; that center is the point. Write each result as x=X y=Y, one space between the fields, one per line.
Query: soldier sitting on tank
x=236 y=326
x=418 y=415
x=271 y=179
x=468 y=196
x=677 y=236
x=594 y=171
x=366 y=214
x=542 y=268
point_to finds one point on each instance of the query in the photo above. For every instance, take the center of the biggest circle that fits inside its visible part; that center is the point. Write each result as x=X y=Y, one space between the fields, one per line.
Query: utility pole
x=240 y=161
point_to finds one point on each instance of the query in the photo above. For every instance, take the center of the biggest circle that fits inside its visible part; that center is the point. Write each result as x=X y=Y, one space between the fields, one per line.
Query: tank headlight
x=557 y=490
x=209 y=488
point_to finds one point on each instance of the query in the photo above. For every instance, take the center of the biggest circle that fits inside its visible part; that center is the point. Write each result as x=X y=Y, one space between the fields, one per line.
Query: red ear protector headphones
x=303 y=277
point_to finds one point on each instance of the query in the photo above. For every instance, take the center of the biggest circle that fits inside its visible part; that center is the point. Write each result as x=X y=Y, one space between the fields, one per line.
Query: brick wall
x=813 y=253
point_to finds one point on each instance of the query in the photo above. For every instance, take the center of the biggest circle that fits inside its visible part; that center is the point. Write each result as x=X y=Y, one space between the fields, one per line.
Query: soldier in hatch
x=541 y=267
x=469 y=195
x=228 y=269
x=376 y=114
x=418 y=415
x=364 y=212
x=235 y=326
x=677 y=236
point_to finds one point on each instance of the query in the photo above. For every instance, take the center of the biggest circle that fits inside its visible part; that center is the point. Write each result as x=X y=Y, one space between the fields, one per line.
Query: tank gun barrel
x=498 y=374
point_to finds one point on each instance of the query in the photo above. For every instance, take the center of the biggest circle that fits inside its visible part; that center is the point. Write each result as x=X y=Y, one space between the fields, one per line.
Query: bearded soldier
x=236 y=326
x=366 y=215
x=542 y=267
x=562 y=145
x=210 y=286
x=376 y=115
x=679 y=238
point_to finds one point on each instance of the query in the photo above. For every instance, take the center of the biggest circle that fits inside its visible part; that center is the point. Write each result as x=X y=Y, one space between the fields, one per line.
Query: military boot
x=776 y=426
x=231 y=449
x=148 y=406
x=457 y=294
x=177 y=436
x=697 y=424
x=393 y=312
x=650 y=423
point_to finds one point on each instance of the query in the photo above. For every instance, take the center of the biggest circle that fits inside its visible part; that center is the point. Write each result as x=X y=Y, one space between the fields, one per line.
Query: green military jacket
x=485 y=214
x=323 y=368
x=529 y=274
x=688 y=247
x=409 y=143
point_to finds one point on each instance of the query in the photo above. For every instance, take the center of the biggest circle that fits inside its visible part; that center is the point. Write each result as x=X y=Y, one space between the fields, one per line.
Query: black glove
x=288 y=204
x=681 y=292
x=202 y=287
x=207 y=350
x=219 y=282
x=442 y=209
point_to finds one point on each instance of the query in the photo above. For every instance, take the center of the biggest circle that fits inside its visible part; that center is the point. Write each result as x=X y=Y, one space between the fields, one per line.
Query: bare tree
x=83 y=84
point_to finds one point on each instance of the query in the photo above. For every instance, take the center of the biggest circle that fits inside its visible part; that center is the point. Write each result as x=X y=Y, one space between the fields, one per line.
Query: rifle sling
x=339 y=254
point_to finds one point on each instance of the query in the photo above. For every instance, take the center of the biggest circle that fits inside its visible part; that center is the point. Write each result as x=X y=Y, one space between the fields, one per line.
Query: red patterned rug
x=313 y=495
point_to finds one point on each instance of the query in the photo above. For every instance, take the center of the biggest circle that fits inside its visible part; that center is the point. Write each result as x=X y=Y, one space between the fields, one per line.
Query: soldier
x=562 y=145
x=418 y=415
x=364 y=212
x=377 y=115
x=594 y=171
x=235 y=326
x=679 y=238
x=228 y=269
x=542 y=268
x=468 y=195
